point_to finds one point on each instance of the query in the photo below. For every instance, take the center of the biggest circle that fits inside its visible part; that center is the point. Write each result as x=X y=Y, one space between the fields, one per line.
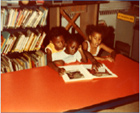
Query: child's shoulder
x=85 y=43
x=51 y=47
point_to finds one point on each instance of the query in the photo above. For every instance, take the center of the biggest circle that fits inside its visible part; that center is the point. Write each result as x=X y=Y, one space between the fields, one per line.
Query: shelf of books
x=22 y=35
x=13 y=18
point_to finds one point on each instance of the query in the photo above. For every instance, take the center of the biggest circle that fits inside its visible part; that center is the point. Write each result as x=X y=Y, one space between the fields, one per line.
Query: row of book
x=15 y=17
x=23 y=61
x=21 y=2
x=20 y=42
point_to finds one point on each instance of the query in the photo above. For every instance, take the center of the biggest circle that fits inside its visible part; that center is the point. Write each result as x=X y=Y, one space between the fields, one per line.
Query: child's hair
x=72 y=37
x=90 y=29
x=57 y=31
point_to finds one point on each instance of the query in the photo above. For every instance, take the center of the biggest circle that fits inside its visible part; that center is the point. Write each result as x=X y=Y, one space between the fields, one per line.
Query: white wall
x=108 y=11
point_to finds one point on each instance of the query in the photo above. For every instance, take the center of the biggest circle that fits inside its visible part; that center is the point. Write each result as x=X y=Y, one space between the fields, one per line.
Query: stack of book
x=15 y=18
x=21 y=42
x=23 y=61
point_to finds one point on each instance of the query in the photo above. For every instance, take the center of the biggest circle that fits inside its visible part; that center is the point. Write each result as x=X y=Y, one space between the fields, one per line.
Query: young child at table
x=94 y=44
x=57 y=44
x=72 y=53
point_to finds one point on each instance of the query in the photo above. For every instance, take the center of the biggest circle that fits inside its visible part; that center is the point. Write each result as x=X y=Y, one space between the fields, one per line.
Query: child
x=57 y=44
x=73 y=52
x=94 y=44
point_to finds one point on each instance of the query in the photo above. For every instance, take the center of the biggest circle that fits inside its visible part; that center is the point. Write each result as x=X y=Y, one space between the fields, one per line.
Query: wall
x=108 y=11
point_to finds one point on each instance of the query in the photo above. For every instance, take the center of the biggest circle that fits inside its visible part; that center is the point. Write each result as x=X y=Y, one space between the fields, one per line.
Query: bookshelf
x=23 y=30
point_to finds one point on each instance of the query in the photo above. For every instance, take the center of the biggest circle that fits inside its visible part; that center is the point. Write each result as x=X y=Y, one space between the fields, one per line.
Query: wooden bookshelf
x=23 y=32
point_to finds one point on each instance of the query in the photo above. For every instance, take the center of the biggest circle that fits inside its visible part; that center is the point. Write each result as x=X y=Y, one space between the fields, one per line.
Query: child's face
x=58 y=42
x=72 y=47
x=96 y=39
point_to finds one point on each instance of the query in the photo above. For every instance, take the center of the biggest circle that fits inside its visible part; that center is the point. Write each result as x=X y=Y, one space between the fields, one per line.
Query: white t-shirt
x=88 y=49
x=67 y=58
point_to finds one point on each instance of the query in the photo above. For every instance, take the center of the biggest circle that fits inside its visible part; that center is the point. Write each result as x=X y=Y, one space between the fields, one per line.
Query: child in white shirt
x=72 y=52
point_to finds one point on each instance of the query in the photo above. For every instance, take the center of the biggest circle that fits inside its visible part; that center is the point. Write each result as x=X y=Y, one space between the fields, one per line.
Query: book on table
x=84 y=72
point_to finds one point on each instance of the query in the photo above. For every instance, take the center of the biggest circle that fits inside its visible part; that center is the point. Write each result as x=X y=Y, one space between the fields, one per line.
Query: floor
x=131 y=107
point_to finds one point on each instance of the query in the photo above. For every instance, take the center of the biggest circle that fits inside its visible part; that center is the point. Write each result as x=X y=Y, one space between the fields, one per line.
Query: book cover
x=28 y=58
x=37 y=35
x=44 y=16
x=38 y=19
x=10 y=17
x=21 y=63
x=13 y=42
x=32 y=43
x=5 y=67
x=34 y=60
x=14 y=18
x=27 y=12
x=31 y=38
x=27 y=65
x=31 y=18
x=6 y=36
x=84 y=72
x=40 y=41
x=42 y=58
x=18 y=18
x=18 y=44
x=9 y=62
x=7 y=45
x=3 y=19
x=25 y=22
x=24 y=13
x=2 y=41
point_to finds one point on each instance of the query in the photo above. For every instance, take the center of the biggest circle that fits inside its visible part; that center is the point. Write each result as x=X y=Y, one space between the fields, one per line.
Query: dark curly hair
x=58 y=31
x=90 y=29
x=72 y=37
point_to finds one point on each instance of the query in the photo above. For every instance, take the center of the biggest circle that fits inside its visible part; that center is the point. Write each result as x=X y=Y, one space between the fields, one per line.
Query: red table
x=43 y=90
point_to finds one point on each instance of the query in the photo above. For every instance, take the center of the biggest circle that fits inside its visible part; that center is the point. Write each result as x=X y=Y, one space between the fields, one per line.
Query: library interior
x=69 y=56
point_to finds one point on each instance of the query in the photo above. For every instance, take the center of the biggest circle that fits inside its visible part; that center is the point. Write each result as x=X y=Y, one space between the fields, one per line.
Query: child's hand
x=110 y=59
x=96 y=65
x=61 y=71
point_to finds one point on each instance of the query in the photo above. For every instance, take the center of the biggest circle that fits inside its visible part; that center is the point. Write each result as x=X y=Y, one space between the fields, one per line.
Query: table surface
x=43 y=90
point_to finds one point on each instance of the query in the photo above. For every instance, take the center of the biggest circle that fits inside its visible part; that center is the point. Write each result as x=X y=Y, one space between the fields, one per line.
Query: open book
x=84 y=72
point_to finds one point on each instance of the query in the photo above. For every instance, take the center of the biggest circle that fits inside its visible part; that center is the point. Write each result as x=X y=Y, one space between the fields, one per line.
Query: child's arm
x=59 y=62
x=109 y=50
x=90 y=56
x=84 y=58
x=52 y=64
x=100 y=58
